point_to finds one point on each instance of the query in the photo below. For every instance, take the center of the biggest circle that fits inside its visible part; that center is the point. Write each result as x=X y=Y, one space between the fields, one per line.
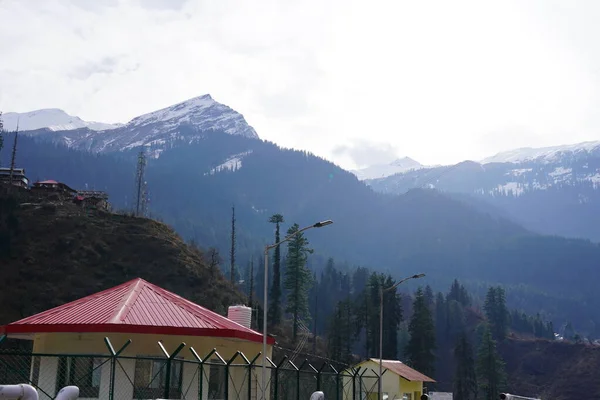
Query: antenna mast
x=13 y=156
x=140 y=184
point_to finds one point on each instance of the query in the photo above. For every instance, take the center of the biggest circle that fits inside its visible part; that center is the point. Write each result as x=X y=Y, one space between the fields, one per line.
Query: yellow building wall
x=147 y=345
x=415 y=389
x=394 y=385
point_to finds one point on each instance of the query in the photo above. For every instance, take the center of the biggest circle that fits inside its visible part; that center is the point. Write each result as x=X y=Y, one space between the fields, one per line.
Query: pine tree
x=496 y=312
x=392 y=312
x=372 y=307
x=459 y=294
x=340 y=337
x=298 y=278
x=441 y=320
x=275 y=309
x=465 y=379
x=213 y=259
x=490 y=368
x=429 y=298
x=232 y=251
x=421 y=346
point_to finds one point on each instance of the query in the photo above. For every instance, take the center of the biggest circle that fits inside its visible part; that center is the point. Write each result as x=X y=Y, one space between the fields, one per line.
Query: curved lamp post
x=265 y=294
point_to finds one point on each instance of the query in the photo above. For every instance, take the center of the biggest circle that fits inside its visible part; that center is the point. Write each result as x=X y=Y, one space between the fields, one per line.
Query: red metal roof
x=136 y=306
x=399 y=368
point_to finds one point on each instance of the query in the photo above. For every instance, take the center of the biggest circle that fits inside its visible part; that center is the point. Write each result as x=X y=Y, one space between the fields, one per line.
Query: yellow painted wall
x=392 y=384
x=410 y=388
x=147 y=345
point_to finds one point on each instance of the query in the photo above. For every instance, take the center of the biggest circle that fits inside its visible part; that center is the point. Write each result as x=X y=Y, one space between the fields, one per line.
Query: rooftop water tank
x=240 y=314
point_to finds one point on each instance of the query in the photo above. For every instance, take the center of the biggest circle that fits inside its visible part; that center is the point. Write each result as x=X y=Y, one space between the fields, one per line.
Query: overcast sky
x=358 y=82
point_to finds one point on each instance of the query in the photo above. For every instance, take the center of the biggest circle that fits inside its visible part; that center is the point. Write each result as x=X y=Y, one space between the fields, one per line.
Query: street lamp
x=265 y=294
x=381 y=291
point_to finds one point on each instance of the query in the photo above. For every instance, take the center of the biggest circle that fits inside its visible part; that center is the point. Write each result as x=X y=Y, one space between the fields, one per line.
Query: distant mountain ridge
x=383 y=170
x=155 y=131
x=545 y=154
x=52 y=119
x=552 y=190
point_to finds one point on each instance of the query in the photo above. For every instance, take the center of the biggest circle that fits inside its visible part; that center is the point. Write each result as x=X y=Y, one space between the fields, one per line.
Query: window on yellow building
x=83 y=372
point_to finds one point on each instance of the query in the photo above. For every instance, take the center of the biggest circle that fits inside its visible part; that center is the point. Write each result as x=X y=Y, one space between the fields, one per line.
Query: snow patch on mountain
x=232 y=163
x=519 y=171
x=511 y=188
x=50 y=118
x=543 y=154
x=202 y=112
x=400 y=165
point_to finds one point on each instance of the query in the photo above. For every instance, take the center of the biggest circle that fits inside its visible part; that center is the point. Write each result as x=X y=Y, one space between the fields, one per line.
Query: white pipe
x=508 y=396
x=18 y=392
x=317 y=396
x=68 y=393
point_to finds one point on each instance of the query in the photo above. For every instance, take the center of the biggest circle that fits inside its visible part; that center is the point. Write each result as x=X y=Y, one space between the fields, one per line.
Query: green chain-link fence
x=117 y=377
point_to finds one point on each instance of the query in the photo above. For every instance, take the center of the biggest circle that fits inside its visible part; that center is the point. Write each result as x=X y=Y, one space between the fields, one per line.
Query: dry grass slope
x=56 y=253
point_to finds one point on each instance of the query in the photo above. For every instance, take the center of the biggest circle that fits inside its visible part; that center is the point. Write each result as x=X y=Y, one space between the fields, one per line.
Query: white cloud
x=443 y=81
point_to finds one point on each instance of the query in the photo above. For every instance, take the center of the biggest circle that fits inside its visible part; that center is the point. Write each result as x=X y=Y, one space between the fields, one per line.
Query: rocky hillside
x=55 y=253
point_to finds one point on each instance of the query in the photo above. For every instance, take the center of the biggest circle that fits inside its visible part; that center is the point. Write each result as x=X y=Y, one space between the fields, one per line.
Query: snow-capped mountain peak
x=155 y=131
x=203 y=112
x=383 y=170
x=50 y=118
x=543 y=154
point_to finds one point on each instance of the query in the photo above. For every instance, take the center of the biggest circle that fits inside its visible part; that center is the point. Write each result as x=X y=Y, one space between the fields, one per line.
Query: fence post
x=276 y=380
x=201 y=362
x=113 y=364
x=354 y=383
x=298 y=379
x=319 y=375
x=250 y=366
x=169 y=360
x=337 y=382
x=237 y=353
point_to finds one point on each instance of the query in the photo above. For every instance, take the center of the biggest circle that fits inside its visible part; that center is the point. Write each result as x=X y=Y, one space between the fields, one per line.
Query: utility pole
x=232 y=253
x=13 y=157
x=316 y=315
x=139 y=182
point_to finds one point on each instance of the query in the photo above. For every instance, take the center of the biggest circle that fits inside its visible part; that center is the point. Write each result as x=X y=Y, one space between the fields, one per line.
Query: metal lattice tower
x=140 y=184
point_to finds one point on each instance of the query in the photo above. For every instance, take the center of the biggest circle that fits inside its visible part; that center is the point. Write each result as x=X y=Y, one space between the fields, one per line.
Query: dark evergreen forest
x=422 y=231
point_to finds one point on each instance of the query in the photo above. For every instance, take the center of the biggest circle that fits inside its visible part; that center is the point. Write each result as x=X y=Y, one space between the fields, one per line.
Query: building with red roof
x=135 y=310
x=399 y=380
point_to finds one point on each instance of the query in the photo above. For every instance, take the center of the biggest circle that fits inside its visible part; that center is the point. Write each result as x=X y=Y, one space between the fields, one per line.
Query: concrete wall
x=147 y=345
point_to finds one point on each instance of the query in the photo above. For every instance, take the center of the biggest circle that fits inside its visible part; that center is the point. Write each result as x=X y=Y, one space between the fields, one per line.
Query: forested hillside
x=421 y=231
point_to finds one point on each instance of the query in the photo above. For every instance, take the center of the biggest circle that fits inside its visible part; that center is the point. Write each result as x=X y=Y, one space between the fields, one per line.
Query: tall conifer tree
x=465 y=379
x=298 y=278
x=275 y=309
x=491 y=375
x=421 y=346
